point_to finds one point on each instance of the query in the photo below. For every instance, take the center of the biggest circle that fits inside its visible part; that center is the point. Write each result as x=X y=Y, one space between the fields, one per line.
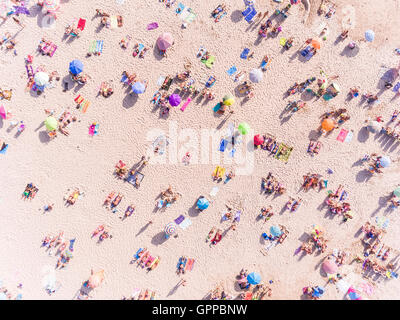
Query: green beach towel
x=210 y=62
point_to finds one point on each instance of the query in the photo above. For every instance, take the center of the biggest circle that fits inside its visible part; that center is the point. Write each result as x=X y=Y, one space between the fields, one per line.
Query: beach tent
x=174 y=100
x=254 y=278
x=165 y=41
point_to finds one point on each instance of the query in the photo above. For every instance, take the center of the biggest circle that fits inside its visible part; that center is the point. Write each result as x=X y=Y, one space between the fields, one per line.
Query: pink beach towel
x=342 y=135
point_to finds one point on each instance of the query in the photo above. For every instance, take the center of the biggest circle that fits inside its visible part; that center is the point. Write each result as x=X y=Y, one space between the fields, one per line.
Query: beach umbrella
x=254 y=278
x=316 y=44
x=165 y=41
x=3 y=112
x=385 y=161
x=328 y=124
x=369 y=35
x=396 y=192
x=138 y=87
x=275 y=231
x=41 y=79
x=51 y=123
x=256 y=75
x=96 y=279
x=203 y=203
x=374 y=126
x=174 y=99
x=258 y=140
x=170 y=228
x=76 y=67
x=329 y=266
x=243 y=128
x=51 y=5
x=228 y=100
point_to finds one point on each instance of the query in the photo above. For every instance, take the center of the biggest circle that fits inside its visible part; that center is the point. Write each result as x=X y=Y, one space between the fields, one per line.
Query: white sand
x=88 y=163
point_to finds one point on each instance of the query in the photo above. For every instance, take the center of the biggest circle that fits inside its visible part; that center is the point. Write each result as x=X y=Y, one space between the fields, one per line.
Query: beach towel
x=191 y=17
x=113 y=22
x=93 y=129
x=182 y=261
x=185 y=223
x=92 y=46
x=264 y=64
x=4 y=149
x=99 y=46
x=245 y=53
x=189 y=265
x=85 y=106
x=179 y=219
x=201 y=52
x=247 y=11
x=132 y=178
x=210 y=62
x=160 y=81
x=251 y=15
x=152 y=26
x=342 y=135
x=349 y=137
x=181 y=6
x=214 y=191
x=222 y=145
x=186 y=104
x=232 y=70
x=81 y=24
x=283 y=157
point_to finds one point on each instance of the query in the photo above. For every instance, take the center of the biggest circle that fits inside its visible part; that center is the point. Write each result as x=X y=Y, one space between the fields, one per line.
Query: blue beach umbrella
x=138 y=87
x=369 y=35
x=254 y=278
x=203 y=203
x=76 y=67
x=275 y=231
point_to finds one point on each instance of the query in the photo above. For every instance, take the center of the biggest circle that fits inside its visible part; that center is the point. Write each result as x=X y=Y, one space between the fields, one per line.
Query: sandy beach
x=129 y=123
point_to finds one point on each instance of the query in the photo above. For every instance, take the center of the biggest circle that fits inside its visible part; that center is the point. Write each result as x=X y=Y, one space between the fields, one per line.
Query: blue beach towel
x=222 y=145
x=251 y=15
x=245 y=53
x=247 y=11
x=232 y=70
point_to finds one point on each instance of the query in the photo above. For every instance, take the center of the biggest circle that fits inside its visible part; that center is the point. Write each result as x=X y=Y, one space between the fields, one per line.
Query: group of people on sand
x=72 y=197
x=337 y=205
x=317 y=240
x=270 y=185
x=168 y=197
x=142 y=295
x=30 y=191
x=252 y=292
x=374 y=162
x=51 y=243
x=313 y=180
x=103 y=233
x=229 y=216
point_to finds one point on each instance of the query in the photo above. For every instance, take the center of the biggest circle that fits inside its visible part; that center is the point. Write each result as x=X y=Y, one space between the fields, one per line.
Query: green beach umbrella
x=51 y=123
x=243 y=128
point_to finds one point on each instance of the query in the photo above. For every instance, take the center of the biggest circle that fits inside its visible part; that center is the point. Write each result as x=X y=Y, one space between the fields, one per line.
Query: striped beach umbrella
x=51 y=5
x=170 y=229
